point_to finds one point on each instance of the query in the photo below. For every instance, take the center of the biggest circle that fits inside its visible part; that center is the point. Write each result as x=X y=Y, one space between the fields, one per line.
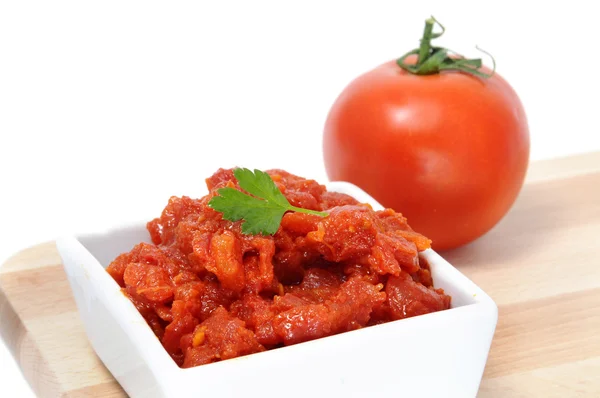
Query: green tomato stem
x=432 y=60
x=426 y=41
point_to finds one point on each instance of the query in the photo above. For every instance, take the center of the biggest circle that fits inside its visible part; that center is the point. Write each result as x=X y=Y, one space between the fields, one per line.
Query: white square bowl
x=442 y=354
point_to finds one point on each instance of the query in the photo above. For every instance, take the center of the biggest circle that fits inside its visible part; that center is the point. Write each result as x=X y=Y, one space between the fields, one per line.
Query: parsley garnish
x=262 y=212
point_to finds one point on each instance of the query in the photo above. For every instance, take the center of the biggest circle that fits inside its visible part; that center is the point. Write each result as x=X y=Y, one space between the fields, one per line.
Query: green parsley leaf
x=262 y=212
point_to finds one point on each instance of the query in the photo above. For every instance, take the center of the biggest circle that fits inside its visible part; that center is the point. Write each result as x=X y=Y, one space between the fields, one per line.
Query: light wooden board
x=541 y=265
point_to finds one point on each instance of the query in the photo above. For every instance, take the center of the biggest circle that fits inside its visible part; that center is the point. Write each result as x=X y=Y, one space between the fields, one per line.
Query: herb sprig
x=262 y=212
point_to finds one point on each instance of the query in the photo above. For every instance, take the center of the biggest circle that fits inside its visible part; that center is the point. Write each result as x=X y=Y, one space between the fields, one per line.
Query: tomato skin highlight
x=449 y=150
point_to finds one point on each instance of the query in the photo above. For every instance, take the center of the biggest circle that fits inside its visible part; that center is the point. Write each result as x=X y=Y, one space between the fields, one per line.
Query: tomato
x=449 y=150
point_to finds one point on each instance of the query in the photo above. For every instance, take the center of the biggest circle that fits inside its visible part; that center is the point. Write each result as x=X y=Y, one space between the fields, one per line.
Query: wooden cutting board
x=541 y=265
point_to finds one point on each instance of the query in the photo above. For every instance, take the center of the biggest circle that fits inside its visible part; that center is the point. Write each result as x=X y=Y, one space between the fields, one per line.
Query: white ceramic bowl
x=442 y=354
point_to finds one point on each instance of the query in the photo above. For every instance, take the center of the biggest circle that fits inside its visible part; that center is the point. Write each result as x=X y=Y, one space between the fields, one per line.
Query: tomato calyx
x=432 y=60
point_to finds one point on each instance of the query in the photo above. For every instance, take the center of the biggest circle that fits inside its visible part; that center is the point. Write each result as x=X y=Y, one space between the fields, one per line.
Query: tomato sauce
x=211 y=293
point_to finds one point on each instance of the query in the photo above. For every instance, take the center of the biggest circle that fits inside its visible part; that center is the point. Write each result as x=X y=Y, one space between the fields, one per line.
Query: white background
x=108 y=108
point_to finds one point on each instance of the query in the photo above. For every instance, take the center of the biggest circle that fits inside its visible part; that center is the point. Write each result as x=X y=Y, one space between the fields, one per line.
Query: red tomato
x=447 y=150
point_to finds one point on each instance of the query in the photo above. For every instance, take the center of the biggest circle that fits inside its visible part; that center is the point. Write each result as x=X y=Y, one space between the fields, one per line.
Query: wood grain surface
x=541 y=264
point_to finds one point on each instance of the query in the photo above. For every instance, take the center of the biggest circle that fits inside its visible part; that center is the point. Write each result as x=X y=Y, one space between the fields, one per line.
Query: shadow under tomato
x=547 y=214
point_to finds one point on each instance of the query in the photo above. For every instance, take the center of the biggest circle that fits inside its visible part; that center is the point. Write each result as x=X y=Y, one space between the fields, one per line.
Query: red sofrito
x=211 y=293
